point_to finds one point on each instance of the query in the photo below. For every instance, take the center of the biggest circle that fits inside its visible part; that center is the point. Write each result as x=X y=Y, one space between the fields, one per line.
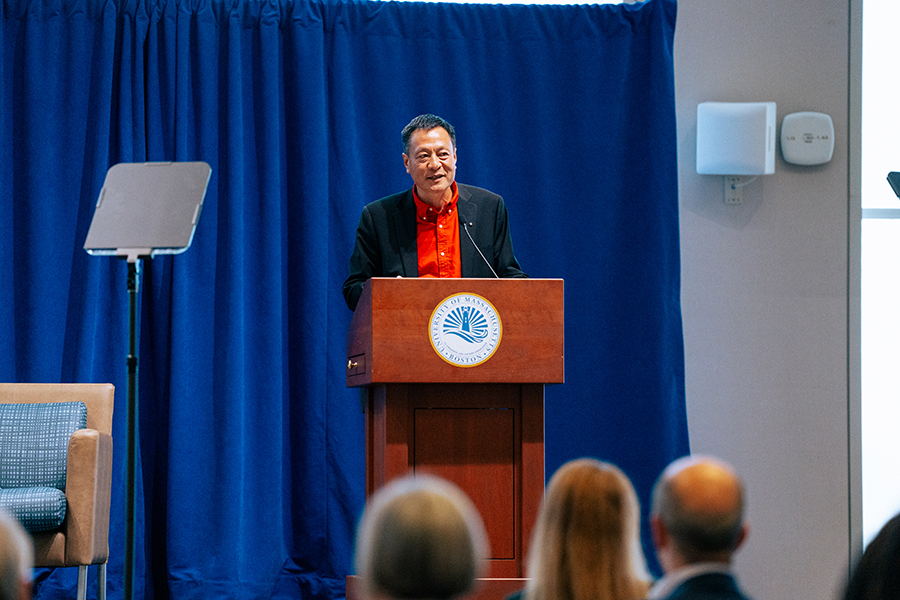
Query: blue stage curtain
x=251 y=448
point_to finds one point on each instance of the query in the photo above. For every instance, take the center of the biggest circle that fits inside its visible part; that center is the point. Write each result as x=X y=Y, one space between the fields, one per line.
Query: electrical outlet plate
x=734 y=189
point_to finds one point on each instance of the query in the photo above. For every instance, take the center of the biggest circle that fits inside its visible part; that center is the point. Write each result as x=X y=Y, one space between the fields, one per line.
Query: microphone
x=480 y=253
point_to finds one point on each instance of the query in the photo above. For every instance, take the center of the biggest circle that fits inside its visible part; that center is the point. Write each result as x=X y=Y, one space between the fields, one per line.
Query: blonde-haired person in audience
x=16 y=559
x=586 y=541
x=420 y=538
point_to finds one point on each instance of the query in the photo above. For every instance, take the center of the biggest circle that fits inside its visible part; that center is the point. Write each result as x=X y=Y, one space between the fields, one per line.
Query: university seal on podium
x=465 y=330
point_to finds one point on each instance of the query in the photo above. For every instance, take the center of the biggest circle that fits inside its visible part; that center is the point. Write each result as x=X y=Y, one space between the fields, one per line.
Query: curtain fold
x=251 y=448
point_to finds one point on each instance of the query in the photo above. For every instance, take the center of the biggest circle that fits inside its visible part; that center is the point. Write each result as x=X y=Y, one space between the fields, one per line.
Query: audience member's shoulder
x=875 y=574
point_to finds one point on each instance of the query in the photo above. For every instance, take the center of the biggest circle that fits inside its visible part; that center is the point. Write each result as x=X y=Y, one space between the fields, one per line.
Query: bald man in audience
x=697 y=523
x=16 y=559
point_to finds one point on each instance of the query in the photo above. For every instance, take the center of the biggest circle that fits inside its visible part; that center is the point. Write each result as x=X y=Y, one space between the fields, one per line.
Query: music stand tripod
x=144 y=209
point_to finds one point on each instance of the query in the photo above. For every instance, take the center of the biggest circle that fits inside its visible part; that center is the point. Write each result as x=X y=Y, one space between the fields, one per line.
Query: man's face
x=431 y=163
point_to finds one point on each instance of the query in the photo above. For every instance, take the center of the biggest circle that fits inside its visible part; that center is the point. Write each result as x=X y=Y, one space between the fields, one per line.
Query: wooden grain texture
x=485 y=437
x=389 y=337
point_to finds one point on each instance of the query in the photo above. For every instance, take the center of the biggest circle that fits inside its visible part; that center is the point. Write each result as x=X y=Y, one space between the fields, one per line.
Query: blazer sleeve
x=504 y=257
x=365 y=261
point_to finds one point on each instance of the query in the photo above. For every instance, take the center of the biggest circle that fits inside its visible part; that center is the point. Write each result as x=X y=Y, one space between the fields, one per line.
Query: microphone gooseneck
x=480 y=253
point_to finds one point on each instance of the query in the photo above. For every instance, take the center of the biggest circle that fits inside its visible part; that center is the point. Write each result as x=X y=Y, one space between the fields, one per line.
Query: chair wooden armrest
x=88 y=489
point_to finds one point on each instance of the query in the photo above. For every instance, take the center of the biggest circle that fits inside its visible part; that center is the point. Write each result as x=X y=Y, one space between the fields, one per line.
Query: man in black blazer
x=392 y=230
x=697 y=523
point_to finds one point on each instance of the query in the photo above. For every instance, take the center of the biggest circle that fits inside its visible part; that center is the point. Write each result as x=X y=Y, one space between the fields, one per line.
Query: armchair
x=83 y=537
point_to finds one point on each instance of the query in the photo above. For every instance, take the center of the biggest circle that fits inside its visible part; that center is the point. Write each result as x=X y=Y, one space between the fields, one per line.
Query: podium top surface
x=428 y=330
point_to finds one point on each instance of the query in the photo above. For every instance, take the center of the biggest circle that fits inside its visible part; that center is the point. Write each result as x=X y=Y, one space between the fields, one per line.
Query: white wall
x=770 y=288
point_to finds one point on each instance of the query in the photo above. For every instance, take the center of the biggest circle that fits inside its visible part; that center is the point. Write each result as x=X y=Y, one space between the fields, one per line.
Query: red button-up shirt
x=437 y=238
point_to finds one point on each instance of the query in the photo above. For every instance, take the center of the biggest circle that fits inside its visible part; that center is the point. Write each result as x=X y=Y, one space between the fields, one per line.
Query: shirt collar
x=665 y=586
x=424 y=210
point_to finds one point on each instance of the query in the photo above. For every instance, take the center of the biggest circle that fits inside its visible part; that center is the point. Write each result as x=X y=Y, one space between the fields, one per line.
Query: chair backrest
x=98 y=397
x=34 y=442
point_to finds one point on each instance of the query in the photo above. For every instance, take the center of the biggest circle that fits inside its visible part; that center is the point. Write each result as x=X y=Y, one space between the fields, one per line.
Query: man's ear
x=658 y=532
x=26 y=590
x=406 y=162
x=745 y=531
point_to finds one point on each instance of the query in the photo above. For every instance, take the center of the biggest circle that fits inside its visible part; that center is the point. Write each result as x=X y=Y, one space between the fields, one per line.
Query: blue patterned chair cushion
x=34 y=442
x=36 y=508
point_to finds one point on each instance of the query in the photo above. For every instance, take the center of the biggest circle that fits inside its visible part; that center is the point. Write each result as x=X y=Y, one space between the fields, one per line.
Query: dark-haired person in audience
x=586 y=543
x=420 y=538
x=437 y=228
x=697 y=524
x=16 y=559
x=876 y=576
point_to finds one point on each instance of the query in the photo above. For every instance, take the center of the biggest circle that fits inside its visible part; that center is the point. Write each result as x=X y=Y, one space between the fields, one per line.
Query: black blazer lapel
x=468 y=212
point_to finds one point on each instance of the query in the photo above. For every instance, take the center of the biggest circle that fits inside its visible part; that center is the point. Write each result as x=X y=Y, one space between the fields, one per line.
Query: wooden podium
x=453 y=374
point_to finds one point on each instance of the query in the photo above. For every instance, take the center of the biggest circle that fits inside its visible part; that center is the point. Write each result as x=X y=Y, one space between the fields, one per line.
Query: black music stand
x=144 y=209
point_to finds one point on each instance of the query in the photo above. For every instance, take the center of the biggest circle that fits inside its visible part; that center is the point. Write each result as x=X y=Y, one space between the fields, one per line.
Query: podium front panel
x=454 y=373
x=486 y=438
x=397 y=328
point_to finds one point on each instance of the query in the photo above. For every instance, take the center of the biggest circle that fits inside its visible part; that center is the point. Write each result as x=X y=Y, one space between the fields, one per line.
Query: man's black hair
x=426 y=122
